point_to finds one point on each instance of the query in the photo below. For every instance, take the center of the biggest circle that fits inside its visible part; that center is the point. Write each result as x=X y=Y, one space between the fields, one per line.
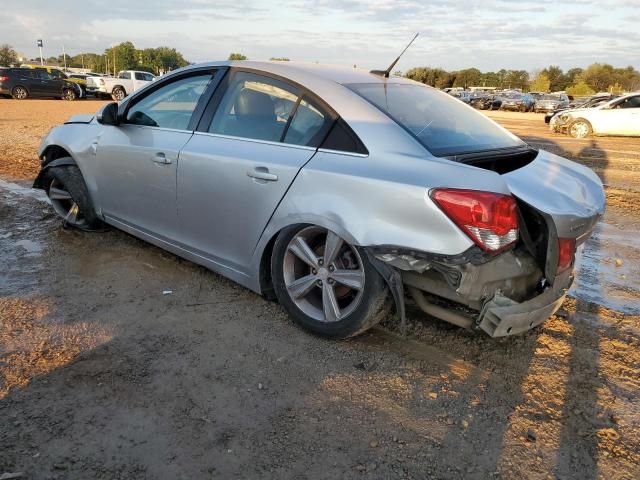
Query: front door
x=233 y=174
x=137 y=160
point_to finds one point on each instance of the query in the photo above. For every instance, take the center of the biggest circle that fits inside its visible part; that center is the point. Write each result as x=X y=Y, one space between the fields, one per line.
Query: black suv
x=21 y=83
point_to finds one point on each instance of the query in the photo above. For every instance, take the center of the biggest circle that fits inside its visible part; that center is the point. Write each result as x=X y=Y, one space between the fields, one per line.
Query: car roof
x=288 y=69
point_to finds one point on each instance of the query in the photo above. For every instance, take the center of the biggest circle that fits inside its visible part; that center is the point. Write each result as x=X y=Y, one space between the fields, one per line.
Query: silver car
x=334 y=190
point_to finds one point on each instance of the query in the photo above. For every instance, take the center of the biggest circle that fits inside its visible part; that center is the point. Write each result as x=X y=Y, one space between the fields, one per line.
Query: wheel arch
x=21 y=85
x=118 y=86
x=54 y=156
x=264 y=250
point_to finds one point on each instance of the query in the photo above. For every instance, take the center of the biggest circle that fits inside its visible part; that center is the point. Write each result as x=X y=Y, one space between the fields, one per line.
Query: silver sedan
x=335 y=190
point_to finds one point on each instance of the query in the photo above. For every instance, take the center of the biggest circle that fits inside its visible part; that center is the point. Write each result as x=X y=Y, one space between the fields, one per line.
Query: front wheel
x=326 y=285
x=580 y=128
x=69 y=94
x=70 y=198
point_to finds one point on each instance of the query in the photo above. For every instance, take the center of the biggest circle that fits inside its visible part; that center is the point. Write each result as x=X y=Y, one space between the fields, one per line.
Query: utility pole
x=40 y=47
x=64 y=57
x=114 y=61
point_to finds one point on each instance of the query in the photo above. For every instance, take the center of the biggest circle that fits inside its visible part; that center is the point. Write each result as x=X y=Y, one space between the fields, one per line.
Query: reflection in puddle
x=32 y=248
x=606 y=269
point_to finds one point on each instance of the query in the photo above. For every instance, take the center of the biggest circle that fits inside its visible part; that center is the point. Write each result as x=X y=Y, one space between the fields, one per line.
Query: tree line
x=124 y=56
x=595 y=78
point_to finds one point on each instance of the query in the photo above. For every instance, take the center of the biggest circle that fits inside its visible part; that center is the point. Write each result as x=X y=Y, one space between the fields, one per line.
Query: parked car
x=486 y=102
x=127 y=82
x=591 y=102
x=620 y=116
x=551 y=102
x=22 y=83
x=521 y=102
x=58 y=73
x=462 y=95
x=332 y=189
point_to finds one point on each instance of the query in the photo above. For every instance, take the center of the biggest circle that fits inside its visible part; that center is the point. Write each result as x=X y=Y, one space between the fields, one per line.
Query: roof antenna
x=385 y=73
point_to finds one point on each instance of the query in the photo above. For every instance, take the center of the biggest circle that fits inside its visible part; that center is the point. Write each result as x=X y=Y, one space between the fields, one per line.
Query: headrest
x=251 y=103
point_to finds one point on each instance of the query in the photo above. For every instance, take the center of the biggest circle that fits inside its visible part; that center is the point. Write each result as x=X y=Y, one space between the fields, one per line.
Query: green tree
x=469 y=77
x=275 y=59
x=580 y=89
x=541 y=83
x=598 y=76
x=8 y=56
x=237 y=56
x=557 y=79
x=516 y=79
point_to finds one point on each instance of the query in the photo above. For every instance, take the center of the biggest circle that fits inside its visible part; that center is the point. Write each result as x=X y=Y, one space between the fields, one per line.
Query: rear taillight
x=490 y=219
x=566 y=253
x=4 y=79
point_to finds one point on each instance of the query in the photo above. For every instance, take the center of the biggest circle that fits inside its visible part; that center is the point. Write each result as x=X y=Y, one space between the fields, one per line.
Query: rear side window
x=255 y=106
x=170 y=106
x=125 y=75
x=343 y=139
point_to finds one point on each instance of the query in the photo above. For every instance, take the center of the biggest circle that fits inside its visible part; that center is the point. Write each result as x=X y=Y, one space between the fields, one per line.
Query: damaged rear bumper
x=502 y=316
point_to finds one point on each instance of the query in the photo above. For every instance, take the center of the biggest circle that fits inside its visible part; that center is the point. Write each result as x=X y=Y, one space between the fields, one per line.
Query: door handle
x=161 y=158
x=262 y=173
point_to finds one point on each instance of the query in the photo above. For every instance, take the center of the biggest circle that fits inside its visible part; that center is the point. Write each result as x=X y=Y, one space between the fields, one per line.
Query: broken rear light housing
x=566 y=253
x=489 y=219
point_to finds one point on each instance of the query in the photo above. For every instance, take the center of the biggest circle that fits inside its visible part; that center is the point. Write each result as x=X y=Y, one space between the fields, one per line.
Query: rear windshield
x=444 y=125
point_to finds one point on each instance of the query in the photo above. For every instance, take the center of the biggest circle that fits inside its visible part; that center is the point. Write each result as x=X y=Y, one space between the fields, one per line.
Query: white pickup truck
x=127 y=81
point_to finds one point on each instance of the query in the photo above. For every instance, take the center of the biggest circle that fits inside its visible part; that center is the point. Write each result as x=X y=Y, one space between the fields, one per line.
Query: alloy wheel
x=579 y=130
x=20 y=93
x=64 y=205
x=323 y=274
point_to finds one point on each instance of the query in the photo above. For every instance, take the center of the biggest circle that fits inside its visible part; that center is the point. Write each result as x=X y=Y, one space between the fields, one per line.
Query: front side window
x=442 y=124
x=256 y=107
x=631 y=102
x=170 y=106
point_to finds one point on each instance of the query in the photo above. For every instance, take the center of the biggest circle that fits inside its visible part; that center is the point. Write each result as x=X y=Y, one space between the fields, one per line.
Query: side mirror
x=109 y=114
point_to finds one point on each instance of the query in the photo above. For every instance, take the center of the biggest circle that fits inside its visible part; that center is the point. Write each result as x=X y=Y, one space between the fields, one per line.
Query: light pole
x=40 y=47
x=64 y=56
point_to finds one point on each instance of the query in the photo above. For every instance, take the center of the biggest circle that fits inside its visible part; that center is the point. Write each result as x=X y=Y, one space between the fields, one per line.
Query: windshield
x=444 y=125
x=549 y=97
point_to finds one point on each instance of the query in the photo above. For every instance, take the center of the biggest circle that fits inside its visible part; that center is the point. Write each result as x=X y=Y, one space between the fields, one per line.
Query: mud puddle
x=607 y=269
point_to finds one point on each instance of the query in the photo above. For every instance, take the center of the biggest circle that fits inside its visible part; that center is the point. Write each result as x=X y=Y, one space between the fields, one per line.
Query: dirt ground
x=102 y=375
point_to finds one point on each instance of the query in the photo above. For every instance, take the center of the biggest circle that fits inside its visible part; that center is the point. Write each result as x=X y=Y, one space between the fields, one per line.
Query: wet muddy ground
x=103 y=375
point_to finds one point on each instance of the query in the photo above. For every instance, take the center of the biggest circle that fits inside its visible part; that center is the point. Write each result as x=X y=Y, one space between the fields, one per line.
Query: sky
x=489 y=34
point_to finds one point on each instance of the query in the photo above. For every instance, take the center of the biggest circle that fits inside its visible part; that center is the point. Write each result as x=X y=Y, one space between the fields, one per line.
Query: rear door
x=137 y=160
x=236 y=168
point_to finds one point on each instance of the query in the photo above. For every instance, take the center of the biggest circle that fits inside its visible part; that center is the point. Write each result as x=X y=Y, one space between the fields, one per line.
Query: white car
x=620 y=116
x=127 y=82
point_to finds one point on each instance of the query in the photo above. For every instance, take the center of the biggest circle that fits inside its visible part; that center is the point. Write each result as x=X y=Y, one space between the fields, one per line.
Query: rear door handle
x=160 y=157
x=262 y=173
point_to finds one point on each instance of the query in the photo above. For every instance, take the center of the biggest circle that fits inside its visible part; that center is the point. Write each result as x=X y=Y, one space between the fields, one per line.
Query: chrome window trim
x=164 y=129
x=342 y=152
x=255 y=140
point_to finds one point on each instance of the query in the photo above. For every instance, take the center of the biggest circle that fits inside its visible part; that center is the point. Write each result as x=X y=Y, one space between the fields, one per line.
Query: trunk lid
x=569 y=196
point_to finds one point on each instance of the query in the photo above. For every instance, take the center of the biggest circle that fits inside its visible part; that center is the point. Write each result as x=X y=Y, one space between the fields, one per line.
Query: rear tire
x=70 y=198
x=19 y=93
x=311 y=289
